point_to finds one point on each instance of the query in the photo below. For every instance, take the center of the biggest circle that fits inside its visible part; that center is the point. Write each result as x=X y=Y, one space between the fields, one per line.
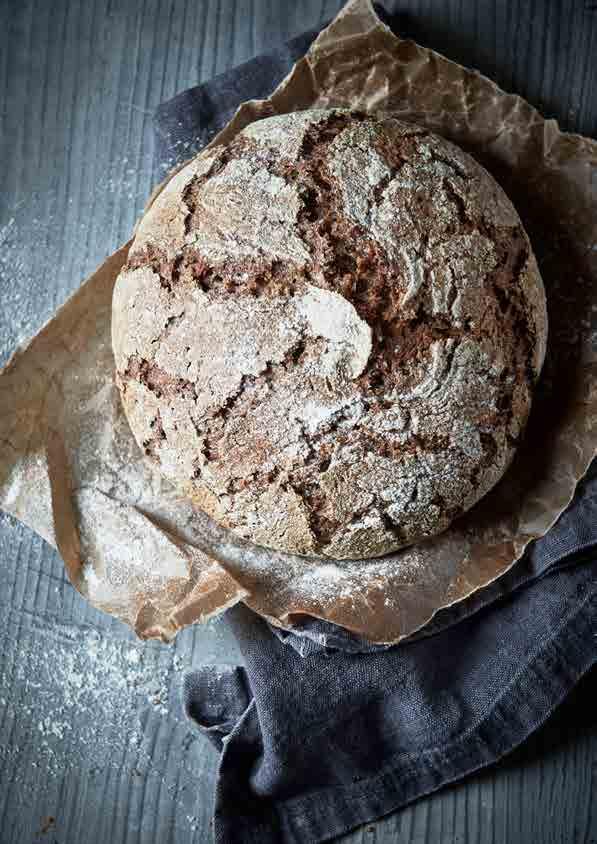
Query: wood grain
x=79 y=80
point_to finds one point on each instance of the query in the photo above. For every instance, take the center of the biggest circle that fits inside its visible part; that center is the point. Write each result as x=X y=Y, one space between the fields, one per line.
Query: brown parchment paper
x=70 y=469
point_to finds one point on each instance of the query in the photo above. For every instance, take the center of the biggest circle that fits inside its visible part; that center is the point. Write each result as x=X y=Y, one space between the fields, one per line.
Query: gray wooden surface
x=93 y=747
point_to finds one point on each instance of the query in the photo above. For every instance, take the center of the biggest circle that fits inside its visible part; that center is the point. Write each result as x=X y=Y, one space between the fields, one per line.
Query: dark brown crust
x=346 y=258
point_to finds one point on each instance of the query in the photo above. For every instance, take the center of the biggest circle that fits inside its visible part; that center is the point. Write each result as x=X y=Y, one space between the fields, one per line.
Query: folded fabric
x=313 y=746
x=319 y=731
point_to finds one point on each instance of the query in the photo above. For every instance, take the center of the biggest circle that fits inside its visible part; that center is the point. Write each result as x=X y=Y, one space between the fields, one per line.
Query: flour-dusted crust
x=328 y=332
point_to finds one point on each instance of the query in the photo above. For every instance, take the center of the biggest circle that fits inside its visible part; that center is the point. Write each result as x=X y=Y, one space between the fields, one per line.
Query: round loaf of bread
x=328 y=331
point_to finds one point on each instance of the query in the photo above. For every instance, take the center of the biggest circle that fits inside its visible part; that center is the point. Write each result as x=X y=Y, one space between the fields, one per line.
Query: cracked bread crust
x=327 y=333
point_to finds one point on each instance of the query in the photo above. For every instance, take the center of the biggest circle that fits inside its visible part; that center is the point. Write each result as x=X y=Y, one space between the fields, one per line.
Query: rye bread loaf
x=327 y=333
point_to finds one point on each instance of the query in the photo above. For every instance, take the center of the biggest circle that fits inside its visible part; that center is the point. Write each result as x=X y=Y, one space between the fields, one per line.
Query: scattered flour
x=80 y=702
x=30 y=292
